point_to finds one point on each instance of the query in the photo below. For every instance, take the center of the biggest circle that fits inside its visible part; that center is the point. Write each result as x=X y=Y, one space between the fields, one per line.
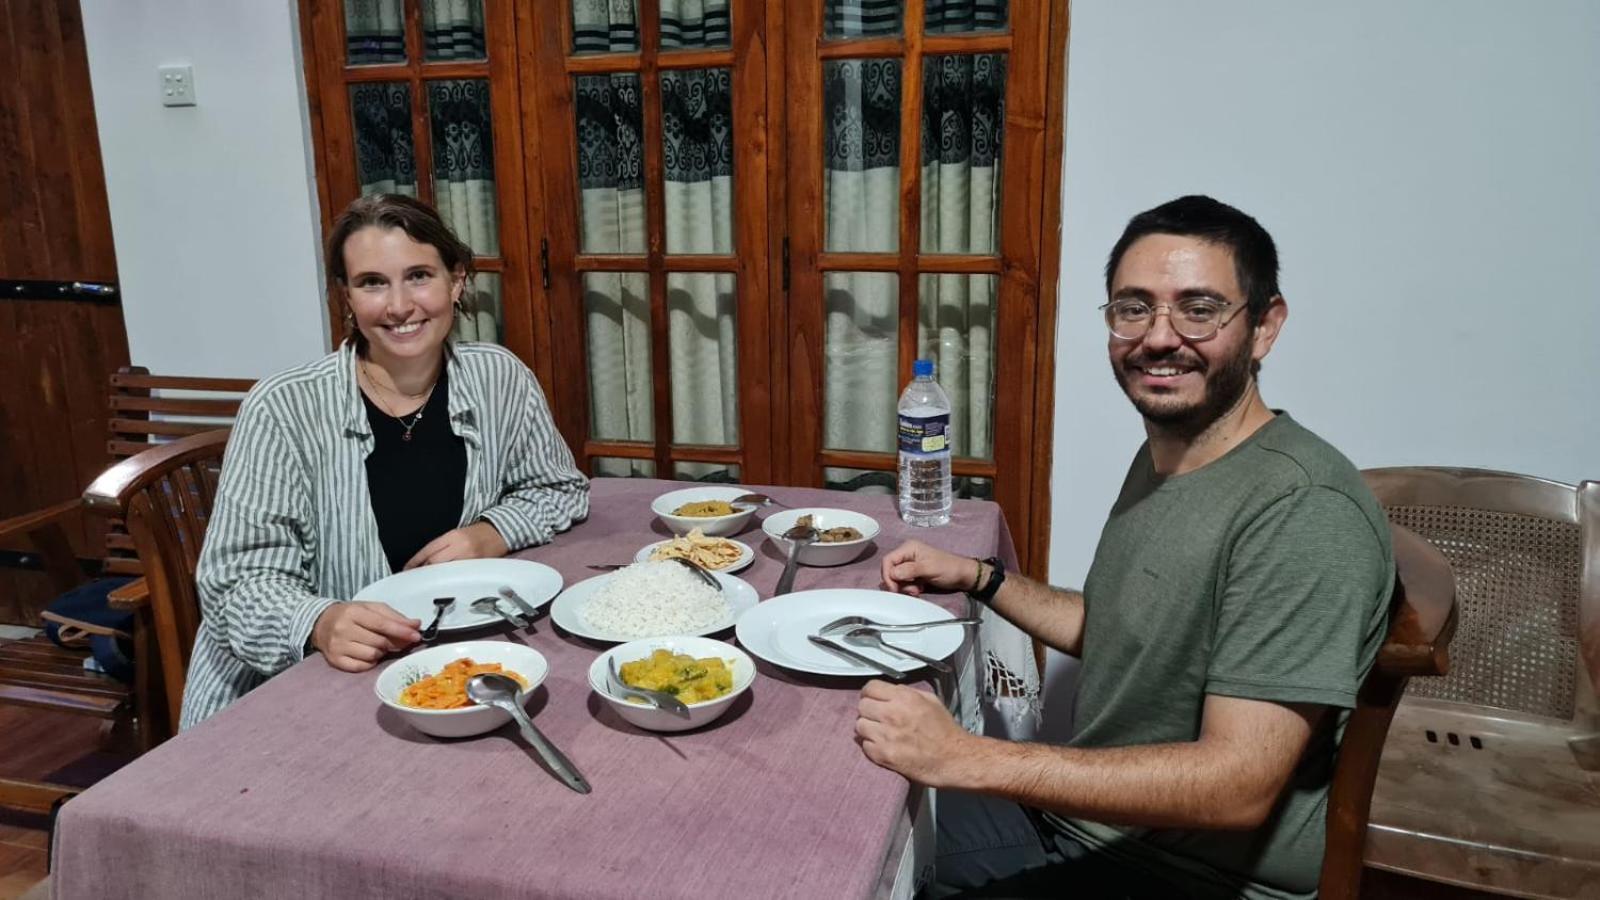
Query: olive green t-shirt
x=1265 y=575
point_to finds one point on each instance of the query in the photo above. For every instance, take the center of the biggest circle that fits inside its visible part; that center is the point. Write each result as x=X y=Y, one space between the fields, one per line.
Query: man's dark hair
x=1255 y=257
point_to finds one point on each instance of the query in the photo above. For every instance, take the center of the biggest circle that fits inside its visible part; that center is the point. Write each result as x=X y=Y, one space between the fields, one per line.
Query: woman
x=404 y=448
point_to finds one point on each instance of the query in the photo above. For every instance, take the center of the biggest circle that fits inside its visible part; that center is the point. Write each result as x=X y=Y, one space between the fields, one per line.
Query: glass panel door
x=660 y=326
x=899 y=175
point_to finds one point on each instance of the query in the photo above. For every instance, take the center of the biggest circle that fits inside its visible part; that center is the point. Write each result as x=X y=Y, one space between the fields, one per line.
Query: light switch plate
x=177 y=85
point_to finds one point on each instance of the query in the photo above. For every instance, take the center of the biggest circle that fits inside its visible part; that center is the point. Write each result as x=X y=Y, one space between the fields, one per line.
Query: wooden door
x=916 y=195
x=59 y=306
x=651 y=139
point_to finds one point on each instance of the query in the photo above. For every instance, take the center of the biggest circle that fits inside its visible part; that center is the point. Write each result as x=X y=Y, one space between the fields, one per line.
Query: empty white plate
x=412 y=592
x=778 y=630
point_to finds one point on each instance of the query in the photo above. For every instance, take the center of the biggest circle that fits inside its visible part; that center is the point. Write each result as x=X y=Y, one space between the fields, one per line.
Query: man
x=1236 y=601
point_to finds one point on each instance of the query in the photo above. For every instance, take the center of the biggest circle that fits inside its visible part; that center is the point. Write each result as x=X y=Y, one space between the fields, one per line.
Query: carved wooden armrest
x=131 y=596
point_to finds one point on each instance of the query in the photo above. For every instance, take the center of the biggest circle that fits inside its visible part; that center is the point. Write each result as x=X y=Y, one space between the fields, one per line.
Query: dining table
x=309 y=786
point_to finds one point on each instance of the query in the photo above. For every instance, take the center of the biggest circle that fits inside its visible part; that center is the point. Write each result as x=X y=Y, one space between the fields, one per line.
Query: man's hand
x=480 y=540
x=354 y=636
x=914 y=567
x=909 y=731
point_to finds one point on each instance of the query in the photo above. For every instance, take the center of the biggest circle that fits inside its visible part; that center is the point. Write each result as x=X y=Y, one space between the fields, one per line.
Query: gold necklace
x=415 y=418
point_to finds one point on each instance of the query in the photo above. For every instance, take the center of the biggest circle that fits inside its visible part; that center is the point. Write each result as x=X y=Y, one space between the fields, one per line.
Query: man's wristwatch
x=997 y=577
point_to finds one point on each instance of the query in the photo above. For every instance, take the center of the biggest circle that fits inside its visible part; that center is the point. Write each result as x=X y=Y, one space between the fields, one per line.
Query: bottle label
x=924 y=435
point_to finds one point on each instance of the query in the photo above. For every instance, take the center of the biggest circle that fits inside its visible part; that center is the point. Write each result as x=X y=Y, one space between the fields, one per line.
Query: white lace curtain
x=459 y=132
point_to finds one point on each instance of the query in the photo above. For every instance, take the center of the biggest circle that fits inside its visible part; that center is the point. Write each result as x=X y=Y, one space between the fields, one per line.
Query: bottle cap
x=922 y=368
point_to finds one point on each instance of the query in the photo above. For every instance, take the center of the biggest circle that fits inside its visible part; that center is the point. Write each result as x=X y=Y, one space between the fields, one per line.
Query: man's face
x=1175 y=382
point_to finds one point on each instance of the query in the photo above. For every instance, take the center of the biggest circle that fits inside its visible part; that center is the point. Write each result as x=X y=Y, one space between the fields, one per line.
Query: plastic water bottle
x=925 y=492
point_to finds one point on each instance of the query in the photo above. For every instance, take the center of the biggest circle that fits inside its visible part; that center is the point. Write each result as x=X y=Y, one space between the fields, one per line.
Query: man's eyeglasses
x=1195 y=318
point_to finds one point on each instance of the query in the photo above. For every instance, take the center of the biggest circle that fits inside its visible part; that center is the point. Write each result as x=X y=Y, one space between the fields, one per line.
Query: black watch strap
x=997 y=577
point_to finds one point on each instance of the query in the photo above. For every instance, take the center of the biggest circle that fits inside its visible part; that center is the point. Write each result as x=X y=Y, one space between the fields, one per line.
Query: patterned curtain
x=697 y=128
x=459 y=130
x=963 y=118
x=962 y=123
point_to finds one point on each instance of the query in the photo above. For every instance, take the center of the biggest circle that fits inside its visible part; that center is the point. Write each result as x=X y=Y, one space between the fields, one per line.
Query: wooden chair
x=1491 y=776
x=146 y=410
x=1422 y=619
x=165 y=496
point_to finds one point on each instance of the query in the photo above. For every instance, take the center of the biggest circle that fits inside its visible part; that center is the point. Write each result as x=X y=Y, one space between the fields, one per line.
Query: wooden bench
x=146 y=410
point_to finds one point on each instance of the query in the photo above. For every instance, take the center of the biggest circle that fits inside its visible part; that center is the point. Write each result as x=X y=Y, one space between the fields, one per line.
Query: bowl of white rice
x=651 y=599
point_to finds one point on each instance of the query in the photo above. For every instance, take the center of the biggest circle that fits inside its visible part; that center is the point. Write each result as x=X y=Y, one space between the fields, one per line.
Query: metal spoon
x=502 y=692
x=440 y=606
x=661 y=699
x=870 y=637
x=798 y=536
x=699 y=571
x=486 y=605
x=754 y=500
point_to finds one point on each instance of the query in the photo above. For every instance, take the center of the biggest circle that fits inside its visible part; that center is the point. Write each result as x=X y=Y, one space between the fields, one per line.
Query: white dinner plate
x=412 y=592
x=777 y=630
x=746 y=555
x=568 y=608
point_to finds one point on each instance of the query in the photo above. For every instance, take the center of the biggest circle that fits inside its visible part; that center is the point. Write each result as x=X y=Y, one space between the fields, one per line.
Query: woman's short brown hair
x=418 y=220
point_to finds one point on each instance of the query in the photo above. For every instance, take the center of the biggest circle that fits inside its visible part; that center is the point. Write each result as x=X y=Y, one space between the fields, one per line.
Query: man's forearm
x=1155 y=785
x=1053 y=615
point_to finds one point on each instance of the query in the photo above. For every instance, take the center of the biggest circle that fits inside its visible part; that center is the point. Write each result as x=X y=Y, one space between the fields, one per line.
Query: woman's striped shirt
x=292 y=531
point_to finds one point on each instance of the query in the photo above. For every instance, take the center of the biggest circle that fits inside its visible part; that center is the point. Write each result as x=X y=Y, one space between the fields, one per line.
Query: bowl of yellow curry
x=707 y=675
x=706 y=508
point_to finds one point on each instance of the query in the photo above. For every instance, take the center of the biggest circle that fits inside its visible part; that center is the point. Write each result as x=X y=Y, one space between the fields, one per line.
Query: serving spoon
x=661 y=699
x=502 y=692
x=798 y=536
x=754 y=500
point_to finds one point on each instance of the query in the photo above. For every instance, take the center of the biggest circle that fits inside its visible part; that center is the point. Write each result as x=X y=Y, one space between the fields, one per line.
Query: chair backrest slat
x=151 y=410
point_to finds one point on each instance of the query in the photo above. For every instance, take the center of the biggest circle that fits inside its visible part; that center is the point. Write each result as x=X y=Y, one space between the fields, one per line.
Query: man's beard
x=1222 y=391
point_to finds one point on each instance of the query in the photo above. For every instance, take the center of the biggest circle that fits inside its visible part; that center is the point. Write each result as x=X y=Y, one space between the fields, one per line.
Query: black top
x=417 y=484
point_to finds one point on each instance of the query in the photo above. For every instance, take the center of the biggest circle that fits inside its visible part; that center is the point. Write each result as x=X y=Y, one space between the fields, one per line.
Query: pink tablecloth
x=308 y=787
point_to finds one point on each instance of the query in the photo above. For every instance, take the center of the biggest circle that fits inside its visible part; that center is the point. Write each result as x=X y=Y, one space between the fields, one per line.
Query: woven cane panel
x=1516 y=641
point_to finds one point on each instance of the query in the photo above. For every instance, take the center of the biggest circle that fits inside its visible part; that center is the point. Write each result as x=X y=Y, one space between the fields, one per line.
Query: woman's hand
x=354 y=636
x=480 y=540
x=914 y=567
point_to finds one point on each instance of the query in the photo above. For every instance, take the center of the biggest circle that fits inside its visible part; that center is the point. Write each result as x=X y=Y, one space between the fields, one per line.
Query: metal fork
x=847 y=623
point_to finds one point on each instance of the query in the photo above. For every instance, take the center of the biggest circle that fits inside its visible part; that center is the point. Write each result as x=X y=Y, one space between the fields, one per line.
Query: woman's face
x=400 y=293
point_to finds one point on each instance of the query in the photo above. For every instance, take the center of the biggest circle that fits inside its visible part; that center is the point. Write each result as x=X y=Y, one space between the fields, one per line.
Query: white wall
x=213 y=207
x=1429 y=172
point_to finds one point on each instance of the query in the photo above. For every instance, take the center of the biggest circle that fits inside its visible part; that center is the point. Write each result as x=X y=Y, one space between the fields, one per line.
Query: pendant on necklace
x=406 y=436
